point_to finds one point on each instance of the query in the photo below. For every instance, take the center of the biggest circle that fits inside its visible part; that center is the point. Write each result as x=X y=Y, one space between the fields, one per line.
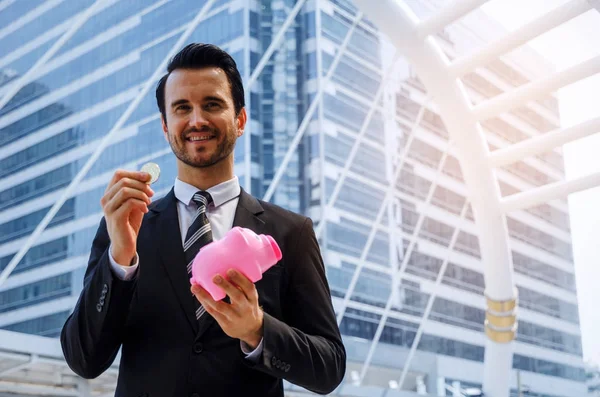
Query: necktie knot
x=202 y=198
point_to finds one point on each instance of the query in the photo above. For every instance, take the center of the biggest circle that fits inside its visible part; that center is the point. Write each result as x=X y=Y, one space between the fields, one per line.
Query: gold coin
x=153 y=169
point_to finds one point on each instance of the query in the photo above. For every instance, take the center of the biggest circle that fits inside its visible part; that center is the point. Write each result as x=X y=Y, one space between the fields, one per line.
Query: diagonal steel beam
x=530 y=91
x=517 y=38
x=405 y=259
x=274 y=44
x=28 y=17
x=4 y=4
x=354 y=150
x=254 y=77
x=382 y=208
x=453 y=11
x=311 y=110
x=549 y=192
x=543 y=143
x=105 y=141
x=431 y=299
x=20 y=83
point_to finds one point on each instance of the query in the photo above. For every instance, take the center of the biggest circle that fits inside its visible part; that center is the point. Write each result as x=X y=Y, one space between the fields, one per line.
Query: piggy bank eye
x=257 y=237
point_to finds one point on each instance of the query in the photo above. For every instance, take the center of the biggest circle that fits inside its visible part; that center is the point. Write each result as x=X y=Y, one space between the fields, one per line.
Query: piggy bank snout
x=273 y=251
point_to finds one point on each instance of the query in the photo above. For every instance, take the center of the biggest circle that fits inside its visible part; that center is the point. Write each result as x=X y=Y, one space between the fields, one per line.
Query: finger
x=129 y=206
x=245 y=285
x=120 y=174
x=207 y=302
x=221 y=318
x=234 y=293
x=202 y=295
x=125 y=183
x=212 y=306
x=123 y=196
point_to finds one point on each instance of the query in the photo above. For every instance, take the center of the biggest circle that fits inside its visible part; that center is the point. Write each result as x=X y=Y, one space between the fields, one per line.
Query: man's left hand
x=242 y=318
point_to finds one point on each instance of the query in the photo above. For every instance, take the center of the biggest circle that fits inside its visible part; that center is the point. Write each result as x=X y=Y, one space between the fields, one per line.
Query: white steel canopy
x=442 y=79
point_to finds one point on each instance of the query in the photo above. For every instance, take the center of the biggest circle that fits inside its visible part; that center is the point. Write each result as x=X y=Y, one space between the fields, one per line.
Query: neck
x=206 y=177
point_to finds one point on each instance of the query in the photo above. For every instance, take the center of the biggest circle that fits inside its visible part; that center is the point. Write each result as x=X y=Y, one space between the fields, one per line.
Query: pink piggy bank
x=241 y=249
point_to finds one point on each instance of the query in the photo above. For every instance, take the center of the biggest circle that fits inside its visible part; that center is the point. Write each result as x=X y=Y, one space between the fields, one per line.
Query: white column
x=396 y=20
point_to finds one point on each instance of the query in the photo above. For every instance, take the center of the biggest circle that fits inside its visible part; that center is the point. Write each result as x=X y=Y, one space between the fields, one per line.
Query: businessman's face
x=201 y=124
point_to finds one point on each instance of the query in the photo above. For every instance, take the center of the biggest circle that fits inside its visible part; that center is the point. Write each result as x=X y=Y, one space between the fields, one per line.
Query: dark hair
x=198 y=56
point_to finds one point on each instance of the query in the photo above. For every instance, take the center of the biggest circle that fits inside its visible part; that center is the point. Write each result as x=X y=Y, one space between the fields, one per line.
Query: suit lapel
x=246 y=215
x=173 y=259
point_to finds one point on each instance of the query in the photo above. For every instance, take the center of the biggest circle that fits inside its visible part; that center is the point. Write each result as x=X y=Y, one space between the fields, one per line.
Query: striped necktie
x=198 y=235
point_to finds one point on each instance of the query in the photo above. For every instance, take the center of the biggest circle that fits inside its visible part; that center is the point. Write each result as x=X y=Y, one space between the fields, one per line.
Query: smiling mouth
x=200 y=138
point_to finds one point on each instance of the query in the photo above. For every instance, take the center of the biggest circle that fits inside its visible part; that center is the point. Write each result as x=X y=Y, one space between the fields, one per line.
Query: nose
x=197 y=119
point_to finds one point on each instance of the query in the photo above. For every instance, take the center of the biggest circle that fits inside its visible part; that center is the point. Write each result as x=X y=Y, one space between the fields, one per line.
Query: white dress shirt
x=220 y=216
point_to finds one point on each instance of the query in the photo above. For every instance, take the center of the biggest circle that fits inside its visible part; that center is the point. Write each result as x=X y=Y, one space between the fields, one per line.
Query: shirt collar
x=221 y=193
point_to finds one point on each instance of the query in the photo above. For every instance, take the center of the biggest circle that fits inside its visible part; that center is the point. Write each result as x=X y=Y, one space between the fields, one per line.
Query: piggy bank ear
x=236 y=234
x=250 y=234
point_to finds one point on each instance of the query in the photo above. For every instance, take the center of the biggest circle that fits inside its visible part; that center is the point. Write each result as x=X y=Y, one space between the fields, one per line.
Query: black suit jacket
x=167 y=352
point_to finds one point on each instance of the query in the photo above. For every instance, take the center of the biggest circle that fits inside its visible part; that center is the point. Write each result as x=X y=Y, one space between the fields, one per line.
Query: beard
x=202 y=158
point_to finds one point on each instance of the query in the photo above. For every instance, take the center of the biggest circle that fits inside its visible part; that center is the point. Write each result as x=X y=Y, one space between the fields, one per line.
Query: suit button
x=104 y=289
x=99 y=307
x=287 y=367
x=198 y=348
x=274 y=361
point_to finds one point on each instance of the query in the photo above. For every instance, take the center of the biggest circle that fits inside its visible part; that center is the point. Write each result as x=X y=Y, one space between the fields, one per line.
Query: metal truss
x=27 y=77
x=274 y=43
x=311 y=110
x=105 y=140
x=264 y=59
x=400 y=271
x=441 y=77
x=354 y=150
x=373 y=230
x=431 y=299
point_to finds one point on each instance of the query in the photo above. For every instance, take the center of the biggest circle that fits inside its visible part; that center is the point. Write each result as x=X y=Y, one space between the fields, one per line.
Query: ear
x=164 y=127
x=241 y=122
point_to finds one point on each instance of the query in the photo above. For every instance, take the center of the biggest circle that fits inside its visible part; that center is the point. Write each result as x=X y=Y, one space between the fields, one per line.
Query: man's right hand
x=124 y=203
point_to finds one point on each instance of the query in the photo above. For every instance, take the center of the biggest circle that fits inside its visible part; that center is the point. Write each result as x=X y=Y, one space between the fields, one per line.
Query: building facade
x=381 y=277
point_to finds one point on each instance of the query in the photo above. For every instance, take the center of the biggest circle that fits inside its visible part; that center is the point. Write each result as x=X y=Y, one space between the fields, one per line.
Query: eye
x=182 y=108
x=213 y=105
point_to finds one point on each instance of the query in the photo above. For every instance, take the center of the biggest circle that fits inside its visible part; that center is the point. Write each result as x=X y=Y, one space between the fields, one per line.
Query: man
x=176 y=340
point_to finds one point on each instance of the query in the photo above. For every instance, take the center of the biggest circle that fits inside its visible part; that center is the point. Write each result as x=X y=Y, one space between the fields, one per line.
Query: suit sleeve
x=93 y=333
x=306 y=348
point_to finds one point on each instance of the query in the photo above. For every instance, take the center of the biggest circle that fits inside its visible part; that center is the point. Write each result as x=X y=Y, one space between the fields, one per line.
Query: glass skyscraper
x=50 y=128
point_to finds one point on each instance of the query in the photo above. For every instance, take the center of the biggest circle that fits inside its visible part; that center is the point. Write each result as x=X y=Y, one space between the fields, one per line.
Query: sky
x=565 y=46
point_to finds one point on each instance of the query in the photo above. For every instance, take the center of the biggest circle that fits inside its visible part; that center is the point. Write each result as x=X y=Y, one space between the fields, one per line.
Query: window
x=21 y=226
x=39 y=255
x=49 y=326
x=38 y=292
x=539 y=239
x=548 y=368
x=544 y=272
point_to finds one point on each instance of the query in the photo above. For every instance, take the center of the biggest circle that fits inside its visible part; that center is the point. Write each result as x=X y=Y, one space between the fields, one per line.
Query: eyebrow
x=208 y=98
x=214 y=98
